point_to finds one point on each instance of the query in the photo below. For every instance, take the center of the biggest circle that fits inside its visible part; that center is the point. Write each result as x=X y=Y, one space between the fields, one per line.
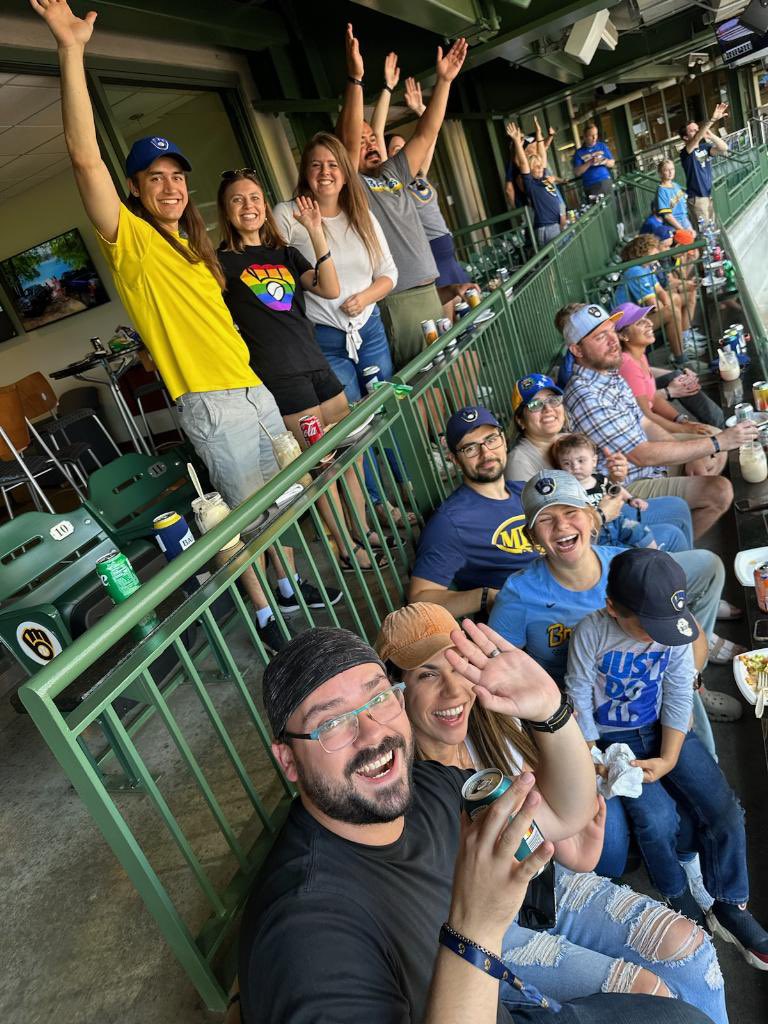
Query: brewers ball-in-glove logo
x=159 y=143
x=273 y=285
x=526 y=383
x=595 y=311
x=468 y=415
x=545 y=486
x=678 y=600
x=37 y=642
x=684 y=627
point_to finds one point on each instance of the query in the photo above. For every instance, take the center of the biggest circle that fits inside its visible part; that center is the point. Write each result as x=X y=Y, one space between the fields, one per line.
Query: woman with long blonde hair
x=348 y=328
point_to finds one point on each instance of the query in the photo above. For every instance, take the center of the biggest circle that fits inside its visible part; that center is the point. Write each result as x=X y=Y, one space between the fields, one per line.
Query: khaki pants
x=402 y=314
x=700 y=207
x=662 y=486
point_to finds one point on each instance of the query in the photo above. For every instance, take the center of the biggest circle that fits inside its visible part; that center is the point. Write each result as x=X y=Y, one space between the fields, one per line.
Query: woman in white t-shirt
x=348 y=329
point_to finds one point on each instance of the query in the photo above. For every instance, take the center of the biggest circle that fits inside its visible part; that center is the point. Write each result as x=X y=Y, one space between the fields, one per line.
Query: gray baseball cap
x=552 y=487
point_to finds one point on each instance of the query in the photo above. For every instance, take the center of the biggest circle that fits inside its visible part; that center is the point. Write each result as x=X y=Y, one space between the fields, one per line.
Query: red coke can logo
x=311 y=428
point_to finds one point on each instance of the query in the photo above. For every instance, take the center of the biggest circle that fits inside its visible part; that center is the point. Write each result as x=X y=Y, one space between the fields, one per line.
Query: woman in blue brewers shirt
x=543 y=194
x=671 y=199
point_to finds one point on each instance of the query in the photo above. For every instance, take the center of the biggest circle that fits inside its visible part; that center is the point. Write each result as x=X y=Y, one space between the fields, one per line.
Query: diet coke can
x=444 y=324
x=761 y=586
x=311 y=428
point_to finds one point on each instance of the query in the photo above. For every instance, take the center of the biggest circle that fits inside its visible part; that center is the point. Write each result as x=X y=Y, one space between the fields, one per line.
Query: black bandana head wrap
x=311 y=659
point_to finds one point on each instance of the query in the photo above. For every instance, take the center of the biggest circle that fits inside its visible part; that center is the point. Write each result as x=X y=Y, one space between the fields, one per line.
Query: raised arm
x=415 y=102
x=97 y=190
x=381 y=110
x=447 y=68
x=705 y=129
x=349 y=127
x=516 y=134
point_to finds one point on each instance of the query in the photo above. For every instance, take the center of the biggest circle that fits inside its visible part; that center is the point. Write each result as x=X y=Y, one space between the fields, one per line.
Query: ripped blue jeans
x=605 y=935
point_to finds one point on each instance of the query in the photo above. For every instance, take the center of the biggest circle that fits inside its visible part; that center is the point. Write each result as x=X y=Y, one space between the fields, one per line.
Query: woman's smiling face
x=547 y=421
x=438 y=701
x=564 y=533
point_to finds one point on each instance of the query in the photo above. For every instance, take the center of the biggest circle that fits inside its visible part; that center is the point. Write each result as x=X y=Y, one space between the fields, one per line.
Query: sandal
x=378 y=545
x=719 y=706
x=721 y=651
x=347 y=565
x=728 y=611
x=397 y=516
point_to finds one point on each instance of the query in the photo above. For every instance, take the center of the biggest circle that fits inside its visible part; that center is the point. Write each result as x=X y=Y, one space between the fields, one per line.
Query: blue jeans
x=670 y=511
x=603 y=935
x=373 y=352
x=613 y=859
x=698 y=785
x=615 y=1009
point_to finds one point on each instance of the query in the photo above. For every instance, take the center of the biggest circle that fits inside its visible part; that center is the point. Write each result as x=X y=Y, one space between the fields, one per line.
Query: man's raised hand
x=391 y=71
x=355 y=67
x=449 y=65
x=67 y=29
x=413 y=98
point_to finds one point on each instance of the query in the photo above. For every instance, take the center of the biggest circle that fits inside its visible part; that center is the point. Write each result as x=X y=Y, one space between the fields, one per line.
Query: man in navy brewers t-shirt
x=475 y=539
x=696 y=161
x=592 y=163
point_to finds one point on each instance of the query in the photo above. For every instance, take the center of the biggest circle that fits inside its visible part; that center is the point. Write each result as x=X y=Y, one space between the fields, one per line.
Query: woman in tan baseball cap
x=577 y=933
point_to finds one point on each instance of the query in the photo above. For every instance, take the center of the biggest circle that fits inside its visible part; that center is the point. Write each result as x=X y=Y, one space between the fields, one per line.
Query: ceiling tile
x=49 y=116
x=32 y=163
x=47 y=81
x=23 y=138
x=19 y=102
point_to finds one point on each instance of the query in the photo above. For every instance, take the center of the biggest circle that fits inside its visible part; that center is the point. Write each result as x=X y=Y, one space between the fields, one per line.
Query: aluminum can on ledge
x=760 y=395
x=761 y=586
x=311 y=428
x=370 y=376
x=172 y=534
x=484 y=788
x=429 y=330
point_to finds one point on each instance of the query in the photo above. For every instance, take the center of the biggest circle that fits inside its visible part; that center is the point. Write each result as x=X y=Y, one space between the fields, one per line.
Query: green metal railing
x=733 y=192
x=204 y=798
x=506 y=240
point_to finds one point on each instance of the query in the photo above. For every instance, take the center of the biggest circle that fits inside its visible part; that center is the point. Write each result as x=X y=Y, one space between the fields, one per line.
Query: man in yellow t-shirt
x=169 y=280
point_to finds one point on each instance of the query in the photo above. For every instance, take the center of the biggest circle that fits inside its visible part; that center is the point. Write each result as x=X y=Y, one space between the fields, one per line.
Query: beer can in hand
x=311 y=428
x=473 y=297
x=743 y=412
x=482 y=789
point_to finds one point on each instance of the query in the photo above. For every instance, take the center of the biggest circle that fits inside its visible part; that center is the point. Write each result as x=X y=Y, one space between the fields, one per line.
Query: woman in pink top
x=635 y=331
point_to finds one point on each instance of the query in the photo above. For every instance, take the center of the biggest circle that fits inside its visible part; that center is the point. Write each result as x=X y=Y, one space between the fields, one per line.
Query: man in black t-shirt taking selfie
x=376 y=904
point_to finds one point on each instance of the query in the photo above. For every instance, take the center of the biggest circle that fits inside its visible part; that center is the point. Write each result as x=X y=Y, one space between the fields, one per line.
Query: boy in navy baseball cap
x=631 y=673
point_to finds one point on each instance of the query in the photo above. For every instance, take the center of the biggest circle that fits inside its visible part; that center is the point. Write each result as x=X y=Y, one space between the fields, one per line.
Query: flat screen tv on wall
x=52 y=280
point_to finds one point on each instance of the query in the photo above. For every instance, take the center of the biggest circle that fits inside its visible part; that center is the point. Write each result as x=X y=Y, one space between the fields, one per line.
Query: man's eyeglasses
x=537 y=404
x=337 y=733
x=473 y=448
x=241 y=172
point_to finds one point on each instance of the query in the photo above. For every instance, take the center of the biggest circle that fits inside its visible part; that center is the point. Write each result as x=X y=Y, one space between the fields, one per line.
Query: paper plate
x=740 y=674
x=745 y=563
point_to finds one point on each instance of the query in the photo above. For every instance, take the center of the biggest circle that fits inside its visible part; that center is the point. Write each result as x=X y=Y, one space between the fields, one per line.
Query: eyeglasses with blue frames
x=537 y=404
x=337 y=733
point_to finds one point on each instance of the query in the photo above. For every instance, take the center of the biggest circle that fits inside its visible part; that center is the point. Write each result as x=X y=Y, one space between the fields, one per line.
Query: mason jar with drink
x=752 y=462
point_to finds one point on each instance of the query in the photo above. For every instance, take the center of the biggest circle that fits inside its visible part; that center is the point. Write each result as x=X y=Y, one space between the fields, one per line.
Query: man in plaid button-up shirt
x=601 y=405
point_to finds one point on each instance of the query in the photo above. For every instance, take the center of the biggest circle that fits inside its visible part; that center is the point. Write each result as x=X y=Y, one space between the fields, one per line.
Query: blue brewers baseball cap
x=651 y=584
x=145 y=151
x=528 y=387
x=469 y=418
x=583 y=321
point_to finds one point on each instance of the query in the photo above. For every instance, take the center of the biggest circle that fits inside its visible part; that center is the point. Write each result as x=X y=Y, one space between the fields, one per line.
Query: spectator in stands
x=600 y=404
x=424 y=646
x=696 y=161
x=537 y=403
x=654 y=225
x=452 y=279
x=348 y=327
x=169 y=279
x=372 y=859
x=543 y=195
x=629 y=673
x=415 y=297
x=635 y=332
x=641 y=284
x=514 y=187
x=577 y=455
x=670 y=198
x=592 y=162
x=266 y=283
x=538 y=608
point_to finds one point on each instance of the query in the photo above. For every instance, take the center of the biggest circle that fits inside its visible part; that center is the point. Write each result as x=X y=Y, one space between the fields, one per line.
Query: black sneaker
x=738 y=926
x=271 y=636
x=311 y=595
x=686 y=905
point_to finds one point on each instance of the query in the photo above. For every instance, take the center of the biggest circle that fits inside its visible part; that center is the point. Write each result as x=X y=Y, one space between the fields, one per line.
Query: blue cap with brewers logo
x=528 y=387
x=145 y=151
x=651 y=584
x=584 y=320
x=469 y=418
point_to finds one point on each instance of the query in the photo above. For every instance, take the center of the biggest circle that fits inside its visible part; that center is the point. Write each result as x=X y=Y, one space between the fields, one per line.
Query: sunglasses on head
x=240 y=172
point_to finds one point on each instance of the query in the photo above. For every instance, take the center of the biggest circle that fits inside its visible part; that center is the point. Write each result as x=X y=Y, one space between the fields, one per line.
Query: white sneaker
x=692 y=869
